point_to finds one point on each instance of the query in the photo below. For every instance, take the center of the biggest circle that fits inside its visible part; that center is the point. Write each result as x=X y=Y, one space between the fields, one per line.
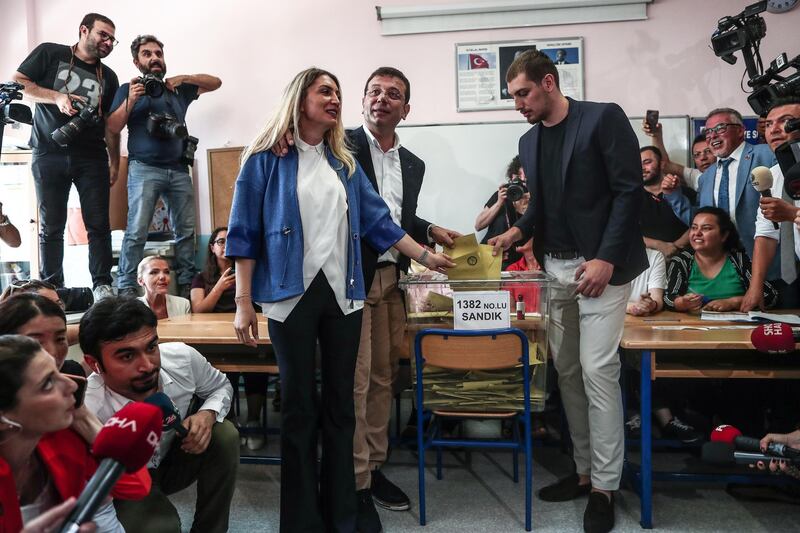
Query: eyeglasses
x=21 y=286
x=720 y=128
x=392 y=94
x=219 y=241
x=106 y=37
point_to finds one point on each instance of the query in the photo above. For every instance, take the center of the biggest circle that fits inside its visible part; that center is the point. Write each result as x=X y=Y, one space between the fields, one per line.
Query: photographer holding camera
x=499 y=214
x=72 y=90
x=159 y=151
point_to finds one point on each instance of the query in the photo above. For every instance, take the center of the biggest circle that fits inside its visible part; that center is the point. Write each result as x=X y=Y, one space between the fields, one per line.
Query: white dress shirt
x=655 y=277
x=184 y=373
x=323 y=212
x=389 y=175
x=733 y=169
x=764 y=227
x=176 y=305
x=692 y=177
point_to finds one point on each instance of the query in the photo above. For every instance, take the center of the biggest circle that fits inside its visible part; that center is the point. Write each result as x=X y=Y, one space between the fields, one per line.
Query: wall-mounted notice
x=481 y=70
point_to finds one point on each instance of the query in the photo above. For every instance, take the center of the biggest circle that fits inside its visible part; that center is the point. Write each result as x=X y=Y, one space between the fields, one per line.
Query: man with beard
x=661 y=228
x=119 y=339
x=156 y=165
x=61 y=80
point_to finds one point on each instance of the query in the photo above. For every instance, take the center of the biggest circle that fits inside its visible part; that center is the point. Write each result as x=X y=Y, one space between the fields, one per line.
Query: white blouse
x=323 y=213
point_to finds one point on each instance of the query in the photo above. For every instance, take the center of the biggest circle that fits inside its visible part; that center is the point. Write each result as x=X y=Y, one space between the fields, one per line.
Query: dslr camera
x=86 y=118
x=166 y=126
x=153 y=85
x=515 y=189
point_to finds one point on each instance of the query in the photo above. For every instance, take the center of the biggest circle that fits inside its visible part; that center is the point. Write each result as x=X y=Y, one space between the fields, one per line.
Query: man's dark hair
x=653 y=149
x=144 y=39
x=19 y=309
x=699 y=138
x=513 y=167
x=725 y=224
x=391 y=72
x=89 y=20
x=534 y=64
x=111 y=319
x=782 y=101
x=16 y=353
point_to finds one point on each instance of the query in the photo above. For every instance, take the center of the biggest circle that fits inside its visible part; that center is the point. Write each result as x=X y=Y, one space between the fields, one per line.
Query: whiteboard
x=466 y=163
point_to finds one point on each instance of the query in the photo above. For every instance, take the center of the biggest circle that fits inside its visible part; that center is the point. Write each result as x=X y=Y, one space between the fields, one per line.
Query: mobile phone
x=80 y=392
x=651 y=117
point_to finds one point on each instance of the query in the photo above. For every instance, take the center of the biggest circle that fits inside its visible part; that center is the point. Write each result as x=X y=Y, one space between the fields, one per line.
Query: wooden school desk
x=652 y=337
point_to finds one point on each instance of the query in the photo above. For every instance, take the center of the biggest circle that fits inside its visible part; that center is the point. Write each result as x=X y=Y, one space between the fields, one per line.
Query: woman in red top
x=42 y=461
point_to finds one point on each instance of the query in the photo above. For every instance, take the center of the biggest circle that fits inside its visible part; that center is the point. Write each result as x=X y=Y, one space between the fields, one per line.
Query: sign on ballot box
x=481 y=310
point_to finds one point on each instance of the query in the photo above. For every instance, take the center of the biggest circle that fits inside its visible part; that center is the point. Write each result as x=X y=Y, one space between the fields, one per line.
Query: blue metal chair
x=491 y=349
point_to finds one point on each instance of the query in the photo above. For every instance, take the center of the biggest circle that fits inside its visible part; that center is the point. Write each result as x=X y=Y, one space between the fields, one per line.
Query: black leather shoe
x=367 y=520
x=564 y=490
x=387 y=494
x=599 y=514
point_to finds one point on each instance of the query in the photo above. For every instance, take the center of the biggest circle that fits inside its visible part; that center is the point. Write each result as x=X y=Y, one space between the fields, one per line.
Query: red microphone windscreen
x=131 y=436
x=773 y=338
x=725 y=433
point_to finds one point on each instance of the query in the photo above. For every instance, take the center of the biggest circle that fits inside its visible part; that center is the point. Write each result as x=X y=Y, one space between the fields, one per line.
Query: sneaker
x=367 y=519
x=564 y=490
x=599 y=514
x=675 y=429
x=101 y=292
x=387 y=494
x=255 y=435
x=128 y=292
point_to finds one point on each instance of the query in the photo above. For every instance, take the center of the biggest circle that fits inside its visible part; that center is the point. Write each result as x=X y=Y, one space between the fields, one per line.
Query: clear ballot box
x=432 y=298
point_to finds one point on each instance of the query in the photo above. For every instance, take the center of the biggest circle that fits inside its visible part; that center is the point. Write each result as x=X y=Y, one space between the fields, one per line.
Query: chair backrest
x=471 y=350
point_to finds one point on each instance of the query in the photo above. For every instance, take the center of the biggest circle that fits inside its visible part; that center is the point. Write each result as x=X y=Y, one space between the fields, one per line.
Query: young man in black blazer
x=584 y=176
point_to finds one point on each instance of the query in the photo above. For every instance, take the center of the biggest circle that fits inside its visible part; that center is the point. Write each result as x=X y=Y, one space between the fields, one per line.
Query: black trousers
x=312 y=502
x=53 y=175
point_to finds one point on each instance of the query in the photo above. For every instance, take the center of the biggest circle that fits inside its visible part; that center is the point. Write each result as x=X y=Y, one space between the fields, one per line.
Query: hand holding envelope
x=473 y=260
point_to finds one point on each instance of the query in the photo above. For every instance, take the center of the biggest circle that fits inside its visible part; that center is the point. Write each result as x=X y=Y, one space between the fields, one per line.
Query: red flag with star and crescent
x=477 y=61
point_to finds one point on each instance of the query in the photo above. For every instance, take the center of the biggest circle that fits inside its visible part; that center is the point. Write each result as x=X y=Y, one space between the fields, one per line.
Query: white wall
x=664 y=62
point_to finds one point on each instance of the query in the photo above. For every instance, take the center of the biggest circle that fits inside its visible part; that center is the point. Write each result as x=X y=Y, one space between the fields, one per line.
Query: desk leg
x=646 y=519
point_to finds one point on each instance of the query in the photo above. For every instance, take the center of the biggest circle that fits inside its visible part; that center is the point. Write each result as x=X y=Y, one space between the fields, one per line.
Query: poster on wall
x=481 y=70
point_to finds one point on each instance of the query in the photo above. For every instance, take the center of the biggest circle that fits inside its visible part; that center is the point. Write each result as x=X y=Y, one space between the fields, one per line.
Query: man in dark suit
x=397 y=175
x=584 y=176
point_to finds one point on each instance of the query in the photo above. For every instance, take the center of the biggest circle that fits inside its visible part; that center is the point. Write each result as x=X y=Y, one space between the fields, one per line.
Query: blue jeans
x=53 y=175
x=145 y=184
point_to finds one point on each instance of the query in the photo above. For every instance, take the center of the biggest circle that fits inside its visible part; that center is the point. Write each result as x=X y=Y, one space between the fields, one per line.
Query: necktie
x=788 y=261
x=723 y=198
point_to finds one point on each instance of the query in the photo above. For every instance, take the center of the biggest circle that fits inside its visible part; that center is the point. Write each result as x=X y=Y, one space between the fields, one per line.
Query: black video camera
x=515 y=189
x=166 y=126
x=86 y=118
x=153 y=85
x=744 y=32
x=11 y=112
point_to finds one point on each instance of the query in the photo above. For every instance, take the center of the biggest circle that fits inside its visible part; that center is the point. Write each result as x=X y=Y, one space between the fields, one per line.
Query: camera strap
x=98 y=70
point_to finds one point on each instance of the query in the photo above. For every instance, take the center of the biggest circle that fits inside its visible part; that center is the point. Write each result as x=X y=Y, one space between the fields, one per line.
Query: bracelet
x=242 y=297
x=422 y=257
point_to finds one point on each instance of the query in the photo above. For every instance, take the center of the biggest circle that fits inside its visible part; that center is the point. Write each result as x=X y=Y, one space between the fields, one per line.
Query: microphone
x=125 y=443
x=171 y=415
x=730 y=435
x=761 y=178
x=774 y=338
x=720 y=453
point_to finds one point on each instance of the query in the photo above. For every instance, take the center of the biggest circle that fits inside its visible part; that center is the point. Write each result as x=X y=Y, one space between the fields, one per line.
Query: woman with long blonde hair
x=295 y=234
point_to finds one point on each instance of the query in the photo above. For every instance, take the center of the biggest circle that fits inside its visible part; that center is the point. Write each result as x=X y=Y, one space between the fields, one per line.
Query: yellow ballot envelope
x=473 y=260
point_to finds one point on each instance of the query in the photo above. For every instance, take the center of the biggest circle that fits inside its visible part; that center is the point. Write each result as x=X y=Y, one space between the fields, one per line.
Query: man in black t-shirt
x=498 y=214
x=661 y=228
x=61 y=79
x=157 y=166
x=584 y=177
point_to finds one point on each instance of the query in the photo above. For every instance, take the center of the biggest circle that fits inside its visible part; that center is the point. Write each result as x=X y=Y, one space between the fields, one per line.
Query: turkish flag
x=477 y=61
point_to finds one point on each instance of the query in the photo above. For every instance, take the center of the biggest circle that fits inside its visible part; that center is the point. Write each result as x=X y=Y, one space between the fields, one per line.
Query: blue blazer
x=746 y=198
x=265 y=225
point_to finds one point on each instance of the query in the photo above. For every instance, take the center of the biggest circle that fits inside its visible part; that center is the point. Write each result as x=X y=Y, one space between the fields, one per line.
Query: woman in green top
x=714 y=273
